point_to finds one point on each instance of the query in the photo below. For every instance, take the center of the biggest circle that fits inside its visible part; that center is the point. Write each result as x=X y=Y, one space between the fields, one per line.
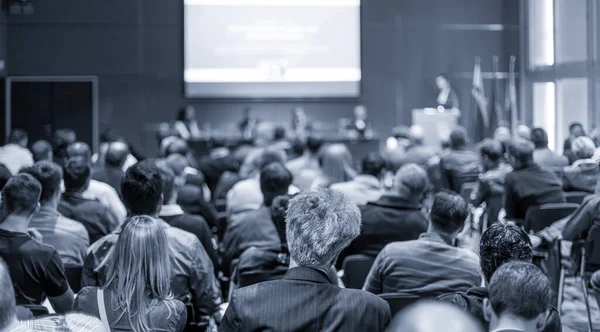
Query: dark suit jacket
x=460 y=166
x=304 y=300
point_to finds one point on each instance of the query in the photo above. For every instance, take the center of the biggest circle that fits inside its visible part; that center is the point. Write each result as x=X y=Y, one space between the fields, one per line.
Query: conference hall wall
x=135 y=47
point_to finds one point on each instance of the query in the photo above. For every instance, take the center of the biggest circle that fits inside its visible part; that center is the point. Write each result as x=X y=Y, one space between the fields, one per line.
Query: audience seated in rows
x=306 y=167
x=335 y=166
x=96 y=218
x=111 y=172
x=97 y=190
x=11 y=322
x=42 y=150
x=137 y=293
x=431 y=265
x=490 y=185
x=69 y=237
x=174 y=215
x=460 y=165
x=15 y=154
x=519 y=298
x=528 y=184
x=500 y=243
x=542 y=155
x=429 y=316
x=254 y=228
x=320 y=223
x=582 y=175
x=366 y=186
x=192 y=272
x=396 y=216
x=35 y=268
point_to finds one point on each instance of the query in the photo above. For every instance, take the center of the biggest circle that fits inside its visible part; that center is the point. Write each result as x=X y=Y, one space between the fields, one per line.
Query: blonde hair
x=336 y=164
x=140 y=274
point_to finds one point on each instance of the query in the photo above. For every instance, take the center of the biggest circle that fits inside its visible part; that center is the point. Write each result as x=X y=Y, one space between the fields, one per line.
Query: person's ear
x=542 y=320
x=487 y=310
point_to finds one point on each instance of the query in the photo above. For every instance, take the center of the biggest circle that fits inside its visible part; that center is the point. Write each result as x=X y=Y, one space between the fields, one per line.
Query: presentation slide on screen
x=272 y=48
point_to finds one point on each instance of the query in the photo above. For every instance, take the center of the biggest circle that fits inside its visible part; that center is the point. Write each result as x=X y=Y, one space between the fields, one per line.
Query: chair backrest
x=576 y=197
x=592 y=249
x=73 y=274
x=356 y=269
x=467 y=189
x=540 y=217
x=398 y=302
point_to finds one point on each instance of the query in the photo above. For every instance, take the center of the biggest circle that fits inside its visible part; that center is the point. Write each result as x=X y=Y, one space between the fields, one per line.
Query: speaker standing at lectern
x=446 y=97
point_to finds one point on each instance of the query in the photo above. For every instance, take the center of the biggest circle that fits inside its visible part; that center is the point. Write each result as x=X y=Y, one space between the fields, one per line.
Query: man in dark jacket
x=500 y=243
x=461 y=165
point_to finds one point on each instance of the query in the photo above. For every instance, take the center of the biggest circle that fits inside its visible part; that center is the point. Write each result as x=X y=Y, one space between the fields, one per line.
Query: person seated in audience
x=519 y=298
x=396 y=216
x=42 y=150
x=112 y=172
x=143 y=300
x=365 y=187
x=306 y=167
x=108 y=137
x=336 y=166
x=279 y=139
x=575 y=130
x=97 y=190
x=595 y=282
x=582 y=175
x=502 y=134
x=174 y=215
x=542 y=155
x=417 y=152
x=96 y=218
x=461 y=165
x=213 y=169
x=255 y=227
x=579 y=225
x=528 y=184
x=5 y=175
x=186 y=124
x=500 y=243
x=429 y=316
x=69 y=237
x=9 y=314
x=192 y=272
x=35 y=268
x=15 y=154
x=431 y=265
x=319 y=224
x=61 y=141
x=490 y=186
x=523 y=132
x=246 y=194
x=179 y=146
x=396 y=146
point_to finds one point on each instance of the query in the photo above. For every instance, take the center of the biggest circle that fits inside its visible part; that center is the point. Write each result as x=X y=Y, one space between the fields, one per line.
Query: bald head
x=79 y=149
x=177 y=146
x=7 y=297
x=417 y=134
x=434 y=317
x=117 y=153
x=177 y=163
x=411 y=182
x=41 y=150
x=502 y=134
x=524 y=132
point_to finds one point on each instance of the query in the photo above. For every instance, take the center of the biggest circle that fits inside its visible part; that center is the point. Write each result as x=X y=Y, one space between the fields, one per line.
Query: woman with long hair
x=336 y=166
x=137 y=294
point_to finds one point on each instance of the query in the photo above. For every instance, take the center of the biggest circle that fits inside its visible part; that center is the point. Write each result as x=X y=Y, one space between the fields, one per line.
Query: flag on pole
x=497 y=107
x=482 y=124
x=510 y=101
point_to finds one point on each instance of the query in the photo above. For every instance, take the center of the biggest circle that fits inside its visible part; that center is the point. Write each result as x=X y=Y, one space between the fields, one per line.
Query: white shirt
x=363 y=189
x=15 y=157
x=106 y=195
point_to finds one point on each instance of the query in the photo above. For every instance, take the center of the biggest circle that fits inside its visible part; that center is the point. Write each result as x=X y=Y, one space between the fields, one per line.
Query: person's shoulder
x=74 y=227
x=86 y=295
x=193 y=218
x=356 y=298
x=182 y=240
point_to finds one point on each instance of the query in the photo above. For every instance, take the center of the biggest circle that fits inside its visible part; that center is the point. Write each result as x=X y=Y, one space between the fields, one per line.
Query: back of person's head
x=5 y=175
x=576 y=129
x=256 y=161
x=77 y=174
x=141 y=188
x=458 y=138
x=521 y=290
x=177 y=163
x=411 y=181
x=21 y=195
x=320 y=223
x=140 y=270
x=539 y=137
x=417 y=134
x=18 y=136
x=264 y=133
x=491 y=149
x=64 y=137
x=373 y=164
x=336 y=163
x=522 y=151
x=168 y=179
x=314 y=144
x=502 y=243
x=524 y=132
x=401 y=132
x=279 y=133
x=109 y=135
x=117 y=154
x=49 y=176
x=583 y=147
x=502 y=134
x=429 y=316
x=79 y=149
x=178 y=146
x=275 y=180
x=448 y=212
x=41 y=150
x=8 y=305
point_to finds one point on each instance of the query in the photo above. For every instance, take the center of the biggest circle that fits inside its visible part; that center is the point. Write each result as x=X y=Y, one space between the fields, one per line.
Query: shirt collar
x=307 y=274
x=435 y=237
x=170 y=210
x=396 y=202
